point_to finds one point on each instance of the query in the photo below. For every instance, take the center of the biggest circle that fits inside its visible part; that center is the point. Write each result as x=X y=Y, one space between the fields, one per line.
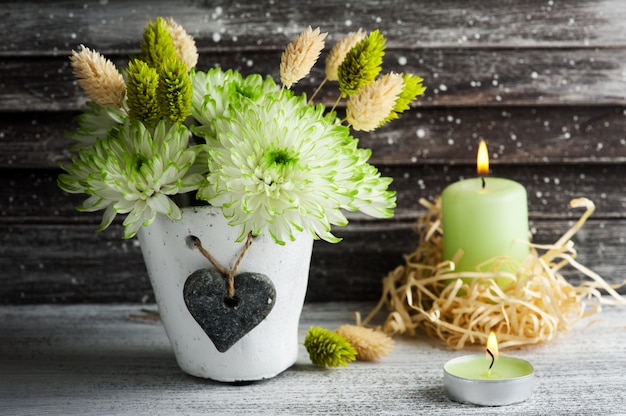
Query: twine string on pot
x=229 y=274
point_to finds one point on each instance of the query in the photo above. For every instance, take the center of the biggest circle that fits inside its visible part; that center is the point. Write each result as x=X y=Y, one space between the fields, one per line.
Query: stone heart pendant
x=226 y=320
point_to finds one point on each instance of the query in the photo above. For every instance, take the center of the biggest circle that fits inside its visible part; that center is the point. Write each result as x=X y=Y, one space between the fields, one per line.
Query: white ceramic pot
x=269 y=348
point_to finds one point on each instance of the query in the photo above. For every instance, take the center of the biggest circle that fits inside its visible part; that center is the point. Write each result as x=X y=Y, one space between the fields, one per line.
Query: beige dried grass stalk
x=532 y=310
x=184 y=43
x=369 y=344
x=98 y=77
x=368 y=108
x=338 y=53
x=300 y=56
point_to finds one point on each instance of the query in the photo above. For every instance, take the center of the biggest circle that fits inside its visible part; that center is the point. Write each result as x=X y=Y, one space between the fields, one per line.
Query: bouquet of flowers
x=273 y=160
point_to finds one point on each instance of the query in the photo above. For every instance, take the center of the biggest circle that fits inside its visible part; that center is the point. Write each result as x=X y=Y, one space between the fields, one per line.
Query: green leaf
x=362 y=64
x=328 y=349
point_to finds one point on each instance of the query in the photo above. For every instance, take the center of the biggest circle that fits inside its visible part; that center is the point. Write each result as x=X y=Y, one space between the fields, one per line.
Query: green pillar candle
x=486 y=220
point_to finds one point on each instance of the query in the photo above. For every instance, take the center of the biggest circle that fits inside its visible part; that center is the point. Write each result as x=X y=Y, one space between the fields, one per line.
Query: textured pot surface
x=269 y=348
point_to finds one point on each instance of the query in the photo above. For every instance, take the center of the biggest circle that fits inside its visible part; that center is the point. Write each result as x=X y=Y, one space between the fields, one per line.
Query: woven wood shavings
x=426 y=293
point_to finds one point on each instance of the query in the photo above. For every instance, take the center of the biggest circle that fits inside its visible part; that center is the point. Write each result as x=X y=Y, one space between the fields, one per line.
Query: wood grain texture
x=433 y=136
x=458 y=76
x=97 y=360
x=550 y=189
x=542 y=81
x=42 y=27
x=41 y=263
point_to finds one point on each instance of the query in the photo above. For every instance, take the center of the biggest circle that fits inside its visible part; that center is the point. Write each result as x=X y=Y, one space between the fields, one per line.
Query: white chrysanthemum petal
x=283 y=166
x=216 y=91
x=95 y=123
x=107 y=218
x=133 y=171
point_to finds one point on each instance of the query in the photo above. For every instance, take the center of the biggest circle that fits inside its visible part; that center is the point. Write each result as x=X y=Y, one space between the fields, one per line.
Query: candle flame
x=482 y=159
x=492 y=345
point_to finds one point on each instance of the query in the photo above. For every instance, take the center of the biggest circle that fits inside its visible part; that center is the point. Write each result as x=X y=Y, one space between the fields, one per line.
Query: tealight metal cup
x=488 y=392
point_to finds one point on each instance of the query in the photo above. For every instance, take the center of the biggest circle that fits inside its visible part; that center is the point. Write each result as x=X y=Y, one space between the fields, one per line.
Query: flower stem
x=336 y=103
x=319 y=87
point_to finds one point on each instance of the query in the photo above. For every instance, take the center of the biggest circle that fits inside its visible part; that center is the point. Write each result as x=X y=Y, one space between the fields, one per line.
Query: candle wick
x=483 y=179
x=493 y=359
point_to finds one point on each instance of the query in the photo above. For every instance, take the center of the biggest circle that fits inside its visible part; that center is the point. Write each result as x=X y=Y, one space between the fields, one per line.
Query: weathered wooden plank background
x=543 y=81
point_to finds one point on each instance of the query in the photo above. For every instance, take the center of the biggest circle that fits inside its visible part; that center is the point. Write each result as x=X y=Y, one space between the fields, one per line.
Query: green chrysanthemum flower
x=134 y=171
x=141 y=91
x=174 y=91
x=362 y=64
x=282 y=165
x=95 y=123
x=328 y=349
x=157 y=45
x=215 y=91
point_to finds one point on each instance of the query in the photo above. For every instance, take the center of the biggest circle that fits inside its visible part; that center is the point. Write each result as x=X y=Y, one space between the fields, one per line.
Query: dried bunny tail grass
x=371 y=105
x=300 y=56
x=369 y=344
x=338 y=53
x=98 y=77
x=538 y=305
x=184 y=43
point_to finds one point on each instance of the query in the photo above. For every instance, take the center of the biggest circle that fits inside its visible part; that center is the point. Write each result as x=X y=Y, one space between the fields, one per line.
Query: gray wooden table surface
x=98 y=360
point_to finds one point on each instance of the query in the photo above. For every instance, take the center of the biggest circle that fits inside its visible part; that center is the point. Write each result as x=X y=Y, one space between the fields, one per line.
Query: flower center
x=279 y=158
x=138 y=162
x=275 y=170
x=247 y=92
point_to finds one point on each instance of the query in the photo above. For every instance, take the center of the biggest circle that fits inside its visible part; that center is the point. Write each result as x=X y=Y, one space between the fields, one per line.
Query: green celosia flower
x=327 y=348
x=95 y=123
x=174 y=91
x=362 y=64
x=141 y=92
x=412 y=88
x=282 y=165
x=215 y=91
x=157 y=45
x=134 y=171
